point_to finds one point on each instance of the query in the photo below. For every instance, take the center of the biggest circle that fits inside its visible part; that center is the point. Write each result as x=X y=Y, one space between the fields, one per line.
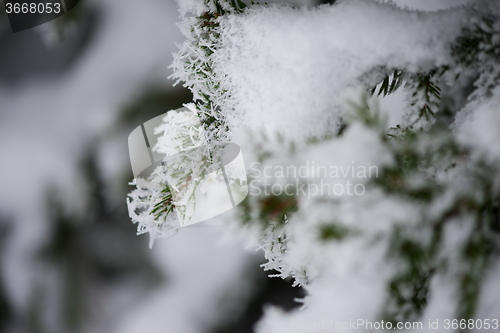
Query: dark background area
x=70 y=261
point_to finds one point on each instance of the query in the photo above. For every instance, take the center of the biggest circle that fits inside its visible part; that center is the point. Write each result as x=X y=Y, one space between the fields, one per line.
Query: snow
x=282 y=70
x=47 y=123
x=481 y=130
x=289 y=70
x=283 y=75
x=429 y=5
x=194 y=7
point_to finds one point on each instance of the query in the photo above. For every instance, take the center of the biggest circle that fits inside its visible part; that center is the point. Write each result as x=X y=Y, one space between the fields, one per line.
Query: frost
x=141 y=202
x=195 y=7
x=287 y=70
x=151 y=205
x=482 y=131
x=372 y=221
x=180 y=131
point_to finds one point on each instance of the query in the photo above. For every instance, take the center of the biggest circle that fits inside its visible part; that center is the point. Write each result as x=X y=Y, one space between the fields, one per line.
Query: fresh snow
x=283 y=75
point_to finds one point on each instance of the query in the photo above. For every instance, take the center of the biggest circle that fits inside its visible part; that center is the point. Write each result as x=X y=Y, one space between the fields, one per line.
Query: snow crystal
x=481 y=131
x=195 y=7
x=287 y=69
x=281 y=77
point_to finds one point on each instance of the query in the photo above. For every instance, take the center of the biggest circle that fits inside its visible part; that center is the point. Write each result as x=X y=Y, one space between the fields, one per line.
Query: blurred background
x=71 y=90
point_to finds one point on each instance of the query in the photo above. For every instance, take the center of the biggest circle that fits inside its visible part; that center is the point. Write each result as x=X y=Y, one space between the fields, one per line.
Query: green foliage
x=417 y=248
x=276 y=208
x=477 y=52
x=164 y=206
x=420 y=152
x=367 y=113
x=334 y=232
x=389 y=84
x=409 y=289
x=424 y=90
x=478 y=42
x=425 y=85
x=417 y=155
x=273 y=210
x=420 y=155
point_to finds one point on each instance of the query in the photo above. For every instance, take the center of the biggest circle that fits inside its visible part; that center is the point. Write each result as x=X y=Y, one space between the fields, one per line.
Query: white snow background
x=44 y=127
